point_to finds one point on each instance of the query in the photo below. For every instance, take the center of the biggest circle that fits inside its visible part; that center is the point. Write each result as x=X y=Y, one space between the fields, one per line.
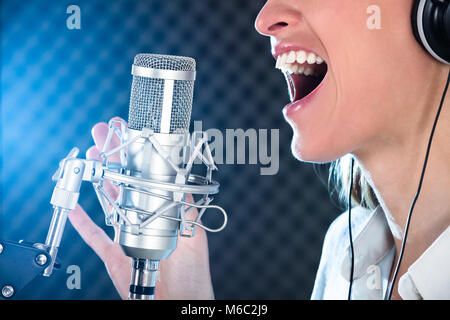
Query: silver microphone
x=154 y=175
x=161 y=103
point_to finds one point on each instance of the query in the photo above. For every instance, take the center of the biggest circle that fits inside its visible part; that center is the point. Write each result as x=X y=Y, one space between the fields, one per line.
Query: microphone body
x=160 y=105
x=158 y=239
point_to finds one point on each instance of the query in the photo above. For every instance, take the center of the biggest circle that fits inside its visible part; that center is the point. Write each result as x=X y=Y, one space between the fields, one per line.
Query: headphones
x=431 y=25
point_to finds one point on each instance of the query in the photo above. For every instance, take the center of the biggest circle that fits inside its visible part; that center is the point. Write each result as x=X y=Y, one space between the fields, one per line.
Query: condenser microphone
x=157 y=153
x=160 y=106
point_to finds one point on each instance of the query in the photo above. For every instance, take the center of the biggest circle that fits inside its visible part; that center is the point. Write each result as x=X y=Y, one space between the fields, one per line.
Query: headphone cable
x=352 y=252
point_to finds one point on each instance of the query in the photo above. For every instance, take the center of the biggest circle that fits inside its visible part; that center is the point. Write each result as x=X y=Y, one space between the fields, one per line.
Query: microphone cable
x=418 y=190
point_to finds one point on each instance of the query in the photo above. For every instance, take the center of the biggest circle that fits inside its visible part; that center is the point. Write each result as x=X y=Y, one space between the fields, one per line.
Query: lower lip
x=301 y=104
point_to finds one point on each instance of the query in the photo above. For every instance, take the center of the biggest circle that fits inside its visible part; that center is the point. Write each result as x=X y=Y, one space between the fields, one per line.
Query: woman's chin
x=312 y=152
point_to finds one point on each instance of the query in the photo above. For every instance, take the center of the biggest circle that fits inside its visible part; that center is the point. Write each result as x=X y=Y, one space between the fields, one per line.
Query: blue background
x=57 y=83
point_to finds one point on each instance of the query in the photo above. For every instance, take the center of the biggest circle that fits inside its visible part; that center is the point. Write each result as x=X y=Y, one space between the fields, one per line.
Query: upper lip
x=284 y=47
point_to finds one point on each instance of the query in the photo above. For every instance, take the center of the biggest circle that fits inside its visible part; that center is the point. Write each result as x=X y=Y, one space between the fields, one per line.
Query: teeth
x=283 y=65
x=278 y=64
x=309 y=72
x=292 y=56
x=294 y=68
x=301 y=56
x=311 y=58
x=292 y=62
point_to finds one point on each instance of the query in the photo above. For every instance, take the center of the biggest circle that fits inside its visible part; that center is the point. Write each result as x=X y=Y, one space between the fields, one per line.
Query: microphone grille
x=164 y=62
x=147 y=95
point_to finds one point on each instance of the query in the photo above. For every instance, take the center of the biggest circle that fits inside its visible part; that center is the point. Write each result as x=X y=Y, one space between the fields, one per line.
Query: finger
x=119 y=267
x=92 y=234
x=193 y=212
x=113 y=191
x=118 y=124
x=118 y=119
x=117 y=264
x=93 y=153
x=189 y=198
x=99 y=134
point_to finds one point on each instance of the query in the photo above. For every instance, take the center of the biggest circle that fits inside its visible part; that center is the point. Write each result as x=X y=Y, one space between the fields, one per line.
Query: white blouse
x=427 y=278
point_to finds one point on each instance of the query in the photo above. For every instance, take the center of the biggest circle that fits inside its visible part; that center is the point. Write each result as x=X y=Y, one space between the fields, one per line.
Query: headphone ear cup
x=447 y=24
x=430 y=21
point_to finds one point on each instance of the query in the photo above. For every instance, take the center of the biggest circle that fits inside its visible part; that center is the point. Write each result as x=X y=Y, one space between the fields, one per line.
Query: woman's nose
x=276 y=17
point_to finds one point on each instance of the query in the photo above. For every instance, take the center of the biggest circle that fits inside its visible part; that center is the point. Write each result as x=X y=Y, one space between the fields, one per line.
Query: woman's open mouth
x=304 y=72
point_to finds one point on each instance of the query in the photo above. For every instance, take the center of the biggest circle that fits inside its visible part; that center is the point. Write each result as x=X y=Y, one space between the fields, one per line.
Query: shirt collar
x=370 y=245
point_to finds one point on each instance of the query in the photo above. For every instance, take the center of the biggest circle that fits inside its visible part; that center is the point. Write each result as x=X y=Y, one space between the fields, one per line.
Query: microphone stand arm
x=21 y=262
x=71 y=173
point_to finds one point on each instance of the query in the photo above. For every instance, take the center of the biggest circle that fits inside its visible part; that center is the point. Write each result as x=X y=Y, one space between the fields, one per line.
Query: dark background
x=57 y=83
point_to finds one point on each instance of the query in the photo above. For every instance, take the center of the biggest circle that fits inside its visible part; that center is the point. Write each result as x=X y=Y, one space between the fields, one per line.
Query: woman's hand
x=184 y=275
